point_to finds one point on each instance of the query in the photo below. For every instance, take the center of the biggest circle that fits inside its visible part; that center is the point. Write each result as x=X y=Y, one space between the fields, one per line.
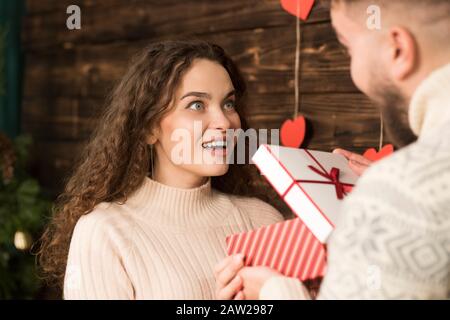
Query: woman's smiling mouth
x=216 y=147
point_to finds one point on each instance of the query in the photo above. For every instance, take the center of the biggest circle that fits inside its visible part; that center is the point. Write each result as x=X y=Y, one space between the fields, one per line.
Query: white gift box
x=312 y=183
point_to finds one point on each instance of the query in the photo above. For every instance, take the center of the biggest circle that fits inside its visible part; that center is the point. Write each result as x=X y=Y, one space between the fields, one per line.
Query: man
x=393 y=238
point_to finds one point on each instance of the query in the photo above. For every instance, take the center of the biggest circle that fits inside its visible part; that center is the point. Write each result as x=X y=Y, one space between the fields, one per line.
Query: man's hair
x=424 y=13
x=429 y=6
x=414 y=2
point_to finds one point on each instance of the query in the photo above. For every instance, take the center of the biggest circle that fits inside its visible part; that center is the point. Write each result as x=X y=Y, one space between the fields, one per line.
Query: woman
x=133 y=221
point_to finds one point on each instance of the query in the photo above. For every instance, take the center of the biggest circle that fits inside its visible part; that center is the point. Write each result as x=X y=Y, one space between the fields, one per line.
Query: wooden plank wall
x=69 y=72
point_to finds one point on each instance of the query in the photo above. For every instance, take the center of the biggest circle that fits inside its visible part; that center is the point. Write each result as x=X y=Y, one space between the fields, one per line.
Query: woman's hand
x=228 y=282
x=253 y=278
x=356 y=162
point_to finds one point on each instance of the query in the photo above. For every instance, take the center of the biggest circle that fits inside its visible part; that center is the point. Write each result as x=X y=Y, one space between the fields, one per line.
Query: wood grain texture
x=68 y=73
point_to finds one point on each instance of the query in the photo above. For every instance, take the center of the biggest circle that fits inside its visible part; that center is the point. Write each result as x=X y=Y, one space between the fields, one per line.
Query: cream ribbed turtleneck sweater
x=393 y=237
x=163 y=243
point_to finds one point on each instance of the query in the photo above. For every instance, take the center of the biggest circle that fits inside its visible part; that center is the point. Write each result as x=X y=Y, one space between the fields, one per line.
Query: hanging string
x=297 y=64
x=297 y=78
x=381 y=131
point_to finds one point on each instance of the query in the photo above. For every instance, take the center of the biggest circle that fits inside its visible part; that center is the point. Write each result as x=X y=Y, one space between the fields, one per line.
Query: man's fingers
x=229 y=291
x=343 y=152
x=359 y=158
x=357 y=167
x=351 y=156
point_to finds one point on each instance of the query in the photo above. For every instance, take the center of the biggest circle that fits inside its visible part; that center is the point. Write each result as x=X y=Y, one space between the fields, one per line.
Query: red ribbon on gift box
x=332 y=176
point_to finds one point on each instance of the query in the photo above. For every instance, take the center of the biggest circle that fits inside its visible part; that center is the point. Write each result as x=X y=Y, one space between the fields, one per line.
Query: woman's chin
x=215 y=170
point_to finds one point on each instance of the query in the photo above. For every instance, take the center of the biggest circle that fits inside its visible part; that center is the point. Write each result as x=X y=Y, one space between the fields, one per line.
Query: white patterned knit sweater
x=393 y=239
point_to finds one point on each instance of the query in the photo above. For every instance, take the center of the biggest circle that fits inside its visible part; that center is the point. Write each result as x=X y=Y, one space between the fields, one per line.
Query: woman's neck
x=183 y=208
x=177 y=177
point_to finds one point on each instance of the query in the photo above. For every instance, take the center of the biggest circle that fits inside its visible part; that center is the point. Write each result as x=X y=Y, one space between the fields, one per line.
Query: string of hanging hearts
x=292 y=131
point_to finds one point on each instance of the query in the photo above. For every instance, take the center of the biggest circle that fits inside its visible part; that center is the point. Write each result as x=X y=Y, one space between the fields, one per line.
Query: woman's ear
x=151 y=139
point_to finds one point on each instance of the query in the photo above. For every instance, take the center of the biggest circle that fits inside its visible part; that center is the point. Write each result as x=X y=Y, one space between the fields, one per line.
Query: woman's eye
x=196 y=105
x=229 y=105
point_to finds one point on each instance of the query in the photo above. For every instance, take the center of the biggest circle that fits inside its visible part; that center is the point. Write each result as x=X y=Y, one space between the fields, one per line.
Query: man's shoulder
x=413 y=183
x=397 y=219
x=415 y=165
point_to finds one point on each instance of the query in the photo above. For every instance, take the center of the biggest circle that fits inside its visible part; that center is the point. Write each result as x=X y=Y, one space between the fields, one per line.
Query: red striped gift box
x=313 y=184
x=288 y=247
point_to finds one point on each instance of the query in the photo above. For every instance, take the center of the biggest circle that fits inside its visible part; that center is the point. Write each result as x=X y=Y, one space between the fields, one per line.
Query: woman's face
x=191 y=140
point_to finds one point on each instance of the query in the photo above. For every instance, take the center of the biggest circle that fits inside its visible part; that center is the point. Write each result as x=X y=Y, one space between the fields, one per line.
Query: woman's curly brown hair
x=116 y=160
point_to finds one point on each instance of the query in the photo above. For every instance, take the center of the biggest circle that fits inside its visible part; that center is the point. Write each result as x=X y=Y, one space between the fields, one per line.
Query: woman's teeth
x=214 y=144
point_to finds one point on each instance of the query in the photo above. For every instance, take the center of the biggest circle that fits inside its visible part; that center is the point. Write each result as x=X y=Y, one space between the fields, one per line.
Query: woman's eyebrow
x=205 y=95
x=231 y=93
x=197 y=94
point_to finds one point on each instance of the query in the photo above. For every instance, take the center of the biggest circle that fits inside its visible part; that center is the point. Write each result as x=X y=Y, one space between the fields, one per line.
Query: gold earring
x=151 y=161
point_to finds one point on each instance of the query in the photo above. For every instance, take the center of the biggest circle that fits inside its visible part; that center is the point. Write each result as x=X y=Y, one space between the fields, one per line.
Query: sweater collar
x=430 y=105
x=167 y=205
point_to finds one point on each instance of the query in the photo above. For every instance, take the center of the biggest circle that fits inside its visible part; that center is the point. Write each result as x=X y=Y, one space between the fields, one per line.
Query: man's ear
x=403 y=53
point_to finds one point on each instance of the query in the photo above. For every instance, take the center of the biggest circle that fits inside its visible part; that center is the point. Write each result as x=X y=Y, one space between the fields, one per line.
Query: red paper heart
x=373 y=155
x=293 y=132
x=298 y=8
x=348 y=189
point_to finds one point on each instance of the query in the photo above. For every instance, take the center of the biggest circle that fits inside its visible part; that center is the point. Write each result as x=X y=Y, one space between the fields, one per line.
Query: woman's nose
x=219 y=120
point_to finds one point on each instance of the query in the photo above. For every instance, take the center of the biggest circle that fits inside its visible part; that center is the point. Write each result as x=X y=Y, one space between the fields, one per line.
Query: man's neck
x=429 y=109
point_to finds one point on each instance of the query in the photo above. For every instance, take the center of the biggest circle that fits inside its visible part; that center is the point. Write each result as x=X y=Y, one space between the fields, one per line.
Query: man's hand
x=228 y=282
x=253 y=278
x=356 y=162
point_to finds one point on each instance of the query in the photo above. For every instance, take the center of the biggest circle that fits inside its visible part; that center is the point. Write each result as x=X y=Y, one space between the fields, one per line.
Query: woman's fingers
x=228 y=284
x=229 y=291
x=239 y=296
x=221 y=265
x=225 y=262
x=230 y=270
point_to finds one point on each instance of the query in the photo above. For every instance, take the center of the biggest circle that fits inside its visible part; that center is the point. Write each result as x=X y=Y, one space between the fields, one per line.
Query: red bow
x=333 y=176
